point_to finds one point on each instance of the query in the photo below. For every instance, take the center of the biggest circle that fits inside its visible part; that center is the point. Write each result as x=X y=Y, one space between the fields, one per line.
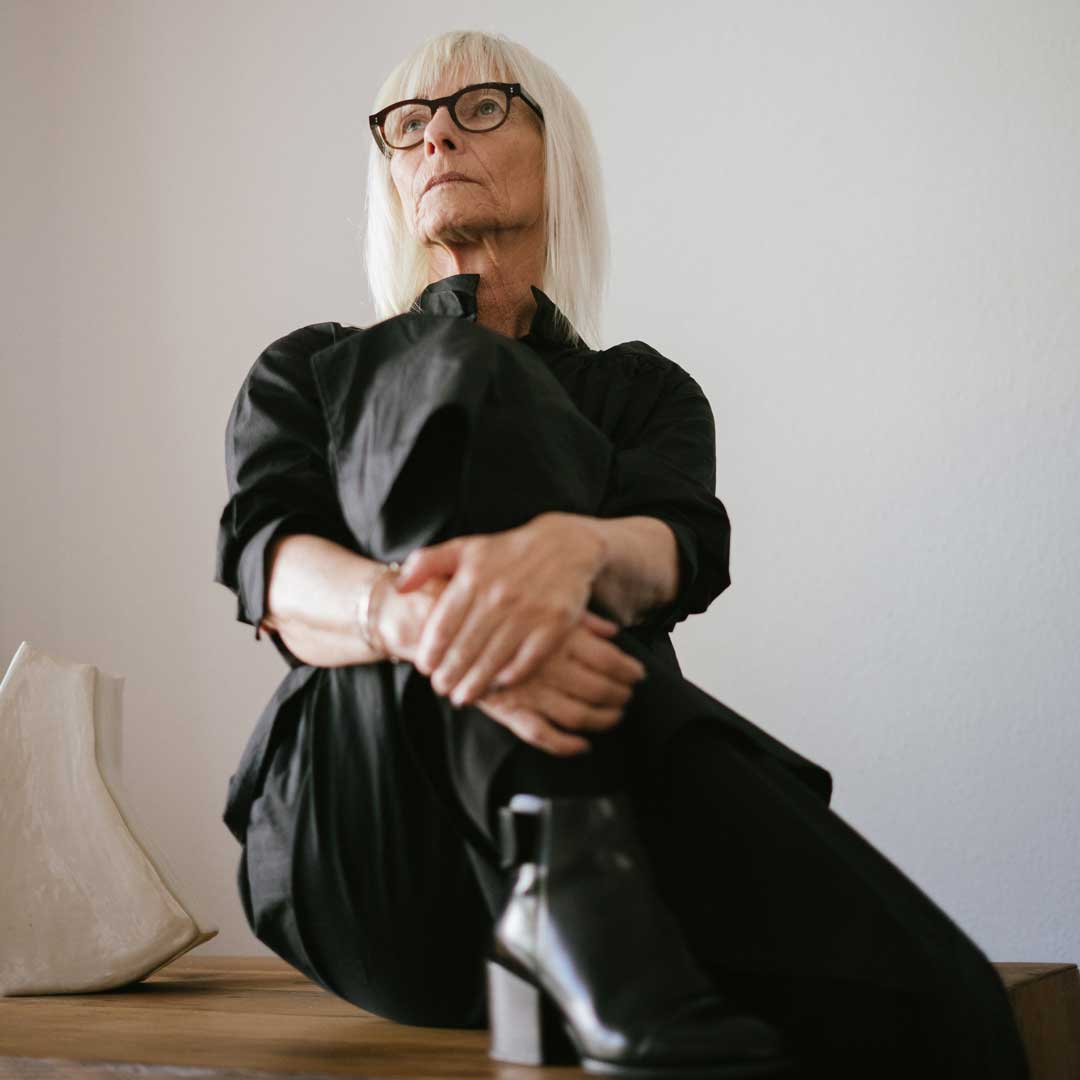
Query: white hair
x=577 y=255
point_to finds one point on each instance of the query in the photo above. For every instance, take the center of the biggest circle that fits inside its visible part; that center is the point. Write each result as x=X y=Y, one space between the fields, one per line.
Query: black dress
x=362 y=798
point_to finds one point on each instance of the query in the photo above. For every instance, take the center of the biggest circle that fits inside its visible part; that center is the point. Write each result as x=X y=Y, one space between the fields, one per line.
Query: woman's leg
x=757 y=902
x=795 y=915
x=369 y=859
x=799 y=917
x=352 y=872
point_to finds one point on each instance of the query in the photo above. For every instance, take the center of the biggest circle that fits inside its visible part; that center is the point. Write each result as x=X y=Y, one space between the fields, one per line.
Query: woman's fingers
x=443 y=627
x=570 y=712
x=598 y=624
x=527 y=651
x=592 y=686
x=532 y=727
x=606 y=657
x=436 y=560
x=583 y=686
x=539 y=644
x=470 y=647
x=497 y=651
x=561 y=707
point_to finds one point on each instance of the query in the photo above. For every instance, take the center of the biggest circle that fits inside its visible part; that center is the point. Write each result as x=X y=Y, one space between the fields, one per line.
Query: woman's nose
x=440 y=130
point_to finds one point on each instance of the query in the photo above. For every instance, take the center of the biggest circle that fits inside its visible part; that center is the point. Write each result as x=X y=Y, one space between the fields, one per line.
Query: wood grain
x=254 y=1018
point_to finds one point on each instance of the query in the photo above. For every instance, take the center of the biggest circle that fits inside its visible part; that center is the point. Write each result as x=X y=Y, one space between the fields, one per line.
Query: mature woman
x=484 y=793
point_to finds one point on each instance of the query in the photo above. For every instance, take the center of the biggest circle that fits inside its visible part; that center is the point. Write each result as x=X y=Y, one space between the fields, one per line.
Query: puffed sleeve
x=277 y=467
x=667 y=470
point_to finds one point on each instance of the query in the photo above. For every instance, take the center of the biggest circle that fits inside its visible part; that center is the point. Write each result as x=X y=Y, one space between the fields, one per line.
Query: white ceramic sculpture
x=86 y=901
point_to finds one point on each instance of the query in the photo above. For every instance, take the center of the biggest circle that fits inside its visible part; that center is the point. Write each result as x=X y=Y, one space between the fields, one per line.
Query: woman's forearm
x=641 y=565
x=315 y=589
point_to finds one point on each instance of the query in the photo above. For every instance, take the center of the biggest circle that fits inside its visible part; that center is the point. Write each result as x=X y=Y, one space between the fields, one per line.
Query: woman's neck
x=504 y=299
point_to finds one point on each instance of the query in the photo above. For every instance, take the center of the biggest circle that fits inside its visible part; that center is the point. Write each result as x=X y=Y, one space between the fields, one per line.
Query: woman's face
x=505 y=170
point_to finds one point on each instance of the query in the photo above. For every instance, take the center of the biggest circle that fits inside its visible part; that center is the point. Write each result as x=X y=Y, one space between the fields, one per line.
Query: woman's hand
x=513 y=599
x=399 y=618
x=583 y=685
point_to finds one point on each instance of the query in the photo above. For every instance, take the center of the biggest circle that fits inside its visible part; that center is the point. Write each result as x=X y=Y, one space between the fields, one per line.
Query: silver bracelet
x=367 y=629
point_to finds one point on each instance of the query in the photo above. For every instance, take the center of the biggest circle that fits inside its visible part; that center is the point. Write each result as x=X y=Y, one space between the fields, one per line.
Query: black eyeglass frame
x=512 y=90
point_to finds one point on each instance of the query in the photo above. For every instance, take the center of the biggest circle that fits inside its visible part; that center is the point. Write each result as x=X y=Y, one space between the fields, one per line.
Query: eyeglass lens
x=477 y=110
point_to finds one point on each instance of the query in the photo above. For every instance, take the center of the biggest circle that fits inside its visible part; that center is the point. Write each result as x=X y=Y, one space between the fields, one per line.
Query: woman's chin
x=455 y=229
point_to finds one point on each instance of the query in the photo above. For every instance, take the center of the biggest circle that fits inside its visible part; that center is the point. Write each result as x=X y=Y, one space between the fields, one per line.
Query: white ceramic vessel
x=87 y=902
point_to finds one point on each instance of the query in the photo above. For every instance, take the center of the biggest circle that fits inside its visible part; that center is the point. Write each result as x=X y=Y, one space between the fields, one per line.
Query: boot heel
x=526 y=1025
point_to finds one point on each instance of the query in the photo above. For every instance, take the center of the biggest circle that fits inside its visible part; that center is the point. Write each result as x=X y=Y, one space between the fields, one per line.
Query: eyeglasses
x=479 y=107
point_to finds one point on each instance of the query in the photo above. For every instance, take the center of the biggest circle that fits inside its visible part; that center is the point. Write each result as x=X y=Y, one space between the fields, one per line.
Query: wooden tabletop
x=239 y=1018
x=247 y=1018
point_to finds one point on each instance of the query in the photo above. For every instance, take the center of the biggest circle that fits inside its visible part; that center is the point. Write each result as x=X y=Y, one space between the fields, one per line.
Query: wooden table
x=254 y=1018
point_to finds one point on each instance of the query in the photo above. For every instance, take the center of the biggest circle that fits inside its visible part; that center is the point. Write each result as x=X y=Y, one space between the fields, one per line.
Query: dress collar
x=455 y=296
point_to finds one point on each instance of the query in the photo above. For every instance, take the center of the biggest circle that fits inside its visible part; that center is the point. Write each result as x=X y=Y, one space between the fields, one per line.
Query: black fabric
x=362 y=799
x=606 y=768
x=797 y=916
x=301 y=415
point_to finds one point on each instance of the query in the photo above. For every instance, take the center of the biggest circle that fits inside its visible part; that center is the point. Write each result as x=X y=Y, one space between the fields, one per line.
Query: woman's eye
x=485 y=108
x=415 y=117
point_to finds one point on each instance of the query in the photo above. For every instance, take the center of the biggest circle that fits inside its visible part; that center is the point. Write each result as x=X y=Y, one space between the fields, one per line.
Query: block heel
x=526 y=1025
x=587 y=966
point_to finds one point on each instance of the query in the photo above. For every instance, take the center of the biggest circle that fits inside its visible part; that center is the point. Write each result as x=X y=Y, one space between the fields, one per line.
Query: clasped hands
x=499 y=620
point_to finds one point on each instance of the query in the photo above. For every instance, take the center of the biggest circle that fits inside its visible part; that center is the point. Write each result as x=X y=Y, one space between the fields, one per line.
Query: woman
x=484 y=793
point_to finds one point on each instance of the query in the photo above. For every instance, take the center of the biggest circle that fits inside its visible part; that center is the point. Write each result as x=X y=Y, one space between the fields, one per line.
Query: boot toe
x=707 y=1035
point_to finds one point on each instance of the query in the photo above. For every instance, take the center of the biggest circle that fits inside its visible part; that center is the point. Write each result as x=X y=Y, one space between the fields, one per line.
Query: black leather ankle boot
x=588 y=964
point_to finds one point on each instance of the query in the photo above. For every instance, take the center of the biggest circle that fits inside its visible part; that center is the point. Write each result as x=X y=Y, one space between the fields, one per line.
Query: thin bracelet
x=365 y=621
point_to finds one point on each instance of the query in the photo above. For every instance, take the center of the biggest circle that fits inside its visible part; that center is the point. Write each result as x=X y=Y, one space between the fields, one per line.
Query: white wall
x=855 y=224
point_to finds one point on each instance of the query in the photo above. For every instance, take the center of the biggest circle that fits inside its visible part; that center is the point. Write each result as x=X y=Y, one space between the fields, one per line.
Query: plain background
x=855 y=224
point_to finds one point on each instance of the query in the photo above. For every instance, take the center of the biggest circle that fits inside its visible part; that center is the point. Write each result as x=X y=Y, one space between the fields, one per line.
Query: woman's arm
x=660 y=494
x=316 y=589
x=280 y=481
x=666 y=472
x=640 y=568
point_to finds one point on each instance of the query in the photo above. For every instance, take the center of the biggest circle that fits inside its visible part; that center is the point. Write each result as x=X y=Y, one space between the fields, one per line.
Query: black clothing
x=662 y=459
x=363 y=799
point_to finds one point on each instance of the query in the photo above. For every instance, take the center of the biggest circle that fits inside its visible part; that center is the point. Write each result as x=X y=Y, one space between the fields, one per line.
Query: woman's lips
x=447 y=180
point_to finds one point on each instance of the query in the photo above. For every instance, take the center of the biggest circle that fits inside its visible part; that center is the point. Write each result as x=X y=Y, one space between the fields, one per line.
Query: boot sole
x=527 y=1027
